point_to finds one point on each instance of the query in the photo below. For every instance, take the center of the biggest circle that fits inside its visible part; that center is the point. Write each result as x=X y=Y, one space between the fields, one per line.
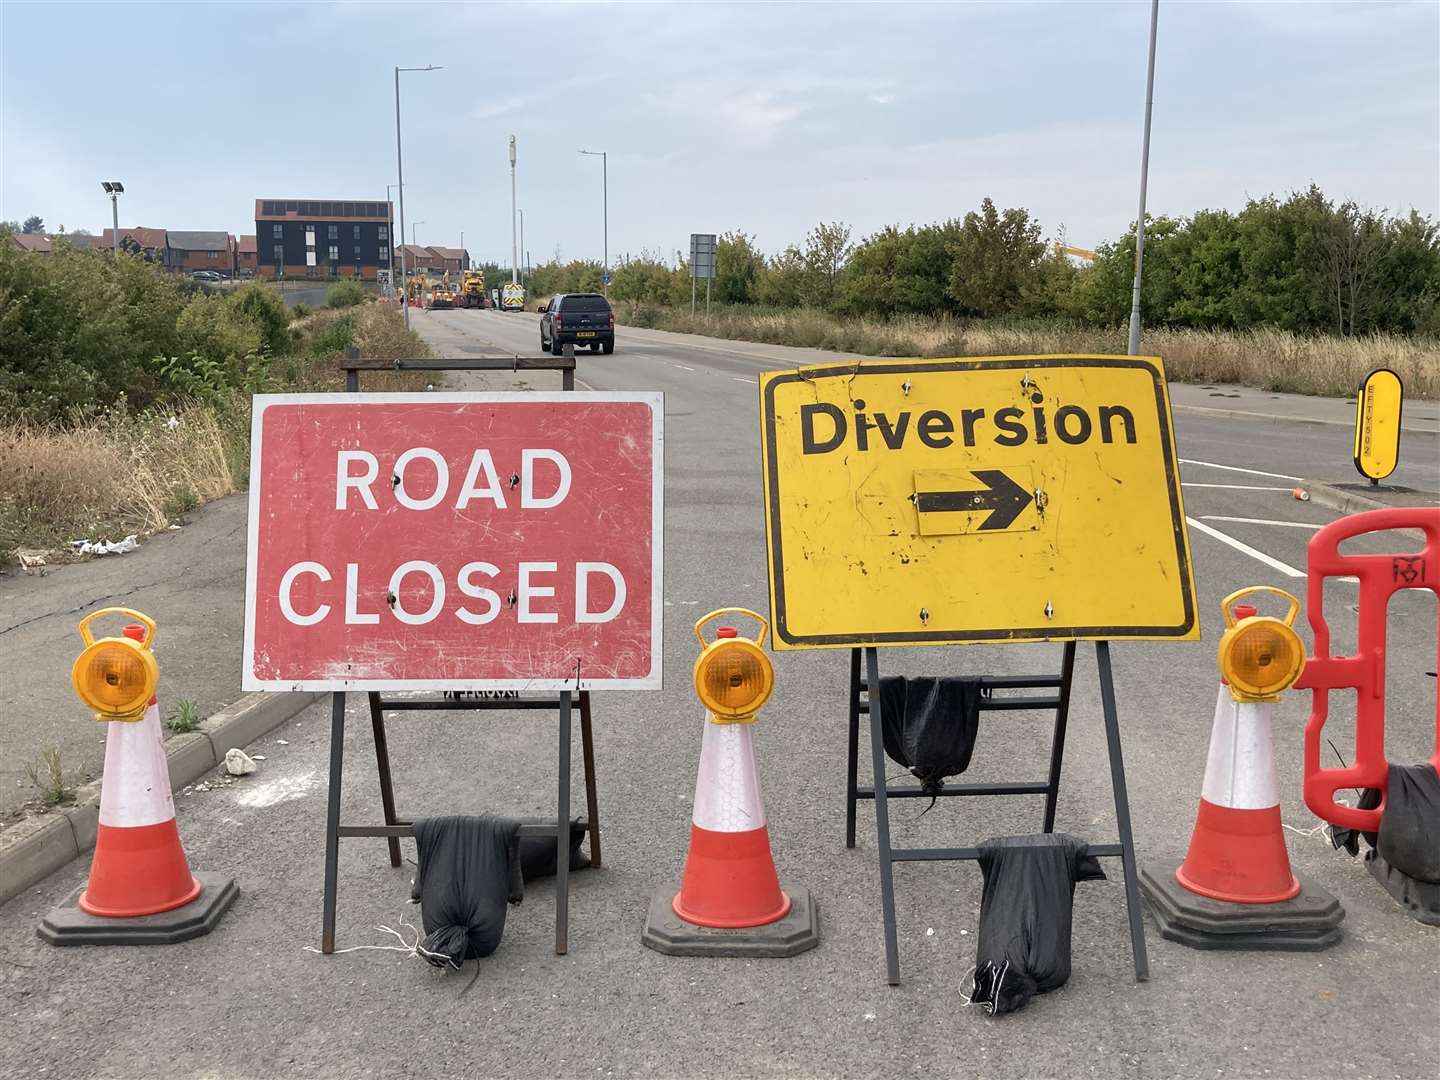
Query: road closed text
x=455 y=540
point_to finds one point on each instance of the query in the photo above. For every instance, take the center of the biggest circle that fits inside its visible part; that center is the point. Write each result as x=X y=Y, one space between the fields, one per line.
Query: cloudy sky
x=762 y=117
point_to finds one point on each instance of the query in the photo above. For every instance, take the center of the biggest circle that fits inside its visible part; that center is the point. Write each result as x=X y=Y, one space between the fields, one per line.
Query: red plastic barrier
x=1380 y=577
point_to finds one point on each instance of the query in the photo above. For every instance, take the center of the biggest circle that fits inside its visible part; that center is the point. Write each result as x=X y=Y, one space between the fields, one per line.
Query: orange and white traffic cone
x=730 y=901
x=140 y=890
x=139 y=866
x=1237 y=850
x=1235 y=887
x=729 y=880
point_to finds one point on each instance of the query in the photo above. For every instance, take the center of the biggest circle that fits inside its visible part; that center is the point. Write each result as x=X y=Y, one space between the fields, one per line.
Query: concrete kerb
x=33 y=850
x=1347 y=502
x=1266 y=418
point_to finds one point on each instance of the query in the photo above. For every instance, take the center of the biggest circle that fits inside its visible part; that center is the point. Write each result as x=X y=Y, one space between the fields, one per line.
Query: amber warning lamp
x=733 y=676
x=1260 y=656
x=117 y=676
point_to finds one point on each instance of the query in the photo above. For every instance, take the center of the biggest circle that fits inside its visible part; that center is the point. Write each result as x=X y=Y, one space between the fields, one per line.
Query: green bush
x=345 y=294
x=337 y=337
x=83 y=330
x=262 y=305
x=212 y=326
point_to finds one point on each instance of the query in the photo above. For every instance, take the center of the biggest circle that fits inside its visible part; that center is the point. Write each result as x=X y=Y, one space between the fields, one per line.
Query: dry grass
x=1268 y=359
x=378 y=331
x=121 y=474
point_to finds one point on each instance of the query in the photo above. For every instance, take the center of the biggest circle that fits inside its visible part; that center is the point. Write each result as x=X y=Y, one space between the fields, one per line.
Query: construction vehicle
x=416 y=290
x=472 y=289
x=512 y=297
x=441 y=296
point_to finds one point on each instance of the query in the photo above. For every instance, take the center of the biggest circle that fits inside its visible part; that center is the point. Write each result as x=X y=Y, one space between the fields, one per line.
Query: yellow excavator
x=472 y=289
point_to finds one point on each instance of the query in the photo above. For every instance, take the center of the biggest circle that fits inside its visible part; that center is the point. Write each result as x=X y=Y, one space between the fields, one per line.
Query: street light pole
x=1144 y=177
x=400 y=176
x=605 y=192
x=114 y=189
x=514 y=243
x=522 y=239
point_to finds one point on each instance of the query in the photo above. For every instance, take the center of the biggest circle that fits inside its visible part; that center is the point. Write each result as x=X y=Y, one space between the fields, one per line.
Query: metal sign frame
x=1042 y=693
x=881 y=792
x=394 y=827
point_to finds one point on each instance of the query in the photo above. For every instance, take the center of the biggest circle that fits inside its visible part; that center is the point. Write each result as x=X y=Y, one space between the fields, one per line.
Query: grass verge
x=1268 y=359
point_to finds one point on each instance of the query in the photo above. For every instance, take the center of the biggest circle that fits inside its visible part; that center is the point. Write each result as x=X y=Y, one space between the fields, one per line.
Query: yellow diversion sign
x=1019 y=498
x=1377 y=424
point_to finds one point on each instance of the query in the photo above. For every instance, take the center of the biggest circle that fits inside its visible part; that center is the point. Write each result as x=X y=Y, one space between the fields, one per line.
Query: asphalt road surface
x=250 y=1000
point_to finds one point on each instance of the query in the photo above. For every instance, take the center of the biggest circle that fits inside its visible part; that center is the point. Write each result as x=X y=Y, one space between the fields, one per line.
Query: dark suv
x=578 y=319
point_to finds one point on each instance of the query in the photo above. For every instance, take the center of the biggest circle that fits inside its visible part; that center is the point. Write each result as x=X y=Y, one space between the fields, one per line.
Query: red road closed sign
x=454 y=541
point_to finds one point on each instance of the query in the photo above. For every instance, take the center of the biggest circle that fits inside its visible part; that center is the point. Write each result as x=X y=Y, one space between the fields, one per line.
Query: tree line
x=1303 y=263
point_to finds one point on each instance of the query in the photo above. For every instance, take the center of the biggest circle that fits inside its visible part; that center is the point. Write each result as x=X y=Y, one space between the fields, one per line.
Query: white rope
x=409 y=948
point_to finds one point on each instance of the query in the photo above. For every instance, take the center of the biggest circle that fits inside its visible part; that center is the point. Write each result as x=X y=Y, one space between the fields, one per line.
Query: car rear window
x=585 y=303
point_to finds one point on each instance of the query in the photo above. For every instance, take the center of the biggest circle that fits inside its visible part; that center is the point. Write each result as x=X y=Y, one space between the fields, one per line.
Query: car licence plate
x=585 y=333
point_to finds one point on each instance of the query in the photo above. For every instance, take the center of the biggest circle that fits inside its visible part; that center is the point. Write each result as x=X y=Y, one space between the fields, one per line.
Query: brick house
x=148 y=243
x=45 y=243
x=205 y=250
x=245 y=264
x=452 y=260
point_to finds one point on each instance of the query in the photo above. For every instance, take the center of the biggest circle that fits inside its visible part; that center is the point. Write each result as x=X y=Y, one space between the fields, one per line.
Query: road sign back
x=945 y=501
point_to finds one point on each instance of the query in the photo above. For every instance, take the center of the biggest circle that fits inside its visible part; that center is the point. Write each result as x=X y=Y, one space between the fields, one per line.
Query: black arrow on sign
x=1002 y=496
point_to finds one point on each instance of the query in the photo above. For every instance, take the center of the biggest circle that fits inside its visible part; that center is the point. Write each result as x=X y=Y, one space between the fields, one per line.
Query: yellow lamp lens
x=733 y=680
x=1264 y=657
x=114 y=677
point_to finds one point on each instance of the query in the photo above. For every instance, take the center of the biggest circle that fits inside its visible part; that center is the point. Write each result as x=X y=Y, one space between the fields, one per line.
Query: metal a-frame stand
x=1059 y=702
x=394 y=827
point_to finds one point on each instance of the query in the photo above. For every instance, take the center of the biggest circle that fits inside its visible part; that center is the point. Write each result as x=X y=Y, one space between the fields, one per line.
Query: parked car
x=578 y=319
x=207 y=275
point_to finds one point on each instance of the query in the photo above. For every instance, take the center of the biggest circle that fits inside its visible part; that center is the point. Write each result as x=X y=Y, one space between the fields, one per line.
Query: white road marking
x=1232 y=487
x=1260 y=521
x=748 y=382
x=1260 y=556
x=1237 y=468
x=682 y=367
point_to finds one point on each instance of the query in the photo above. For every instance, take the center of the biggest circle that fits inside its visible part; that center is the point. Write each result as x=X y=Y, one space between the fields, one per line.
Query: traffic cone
x=139 y=867
x=140 y=889
x=1237 y=850
x=1235 y=888
x=729 y=880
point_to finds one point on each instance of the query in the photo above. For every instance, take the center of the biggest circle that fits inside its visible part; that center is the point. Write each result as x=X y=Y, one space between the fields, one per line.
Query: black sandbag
x=468 y=872
x=1023 y=947
x=537 y=853
x=929 y=725
x=1409 y=834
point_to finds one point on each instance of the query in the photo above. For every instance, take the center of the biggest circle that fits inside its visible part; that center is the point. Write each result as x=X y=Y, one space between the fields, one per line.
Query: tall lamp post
x=605 y=188
x=522 y=240
x=1144 y=177
x=114 y=189
x=400 y=176
x=514 y=244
